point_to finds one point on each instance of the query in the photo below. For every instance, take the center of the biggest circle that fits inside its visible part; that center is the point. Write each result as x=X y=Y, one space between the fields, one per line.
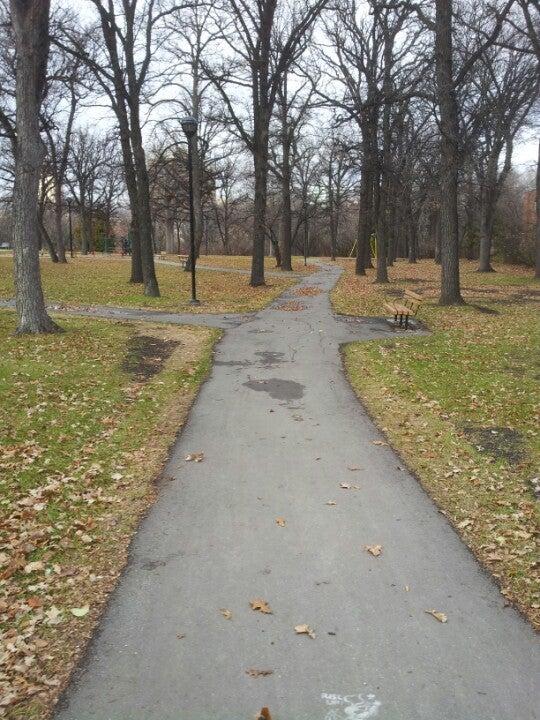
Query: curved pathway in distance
x=281 y=428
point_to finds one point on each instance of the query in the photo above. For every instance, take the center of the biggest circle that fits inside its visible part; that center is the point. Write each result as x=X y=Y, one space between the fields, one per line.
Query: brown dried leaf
x=227 y=614
x=331 y=502
x=280 y=521
x=379 y=442
x=260 y=605
x=440 y=616
x=304 y=630
x=374 y=550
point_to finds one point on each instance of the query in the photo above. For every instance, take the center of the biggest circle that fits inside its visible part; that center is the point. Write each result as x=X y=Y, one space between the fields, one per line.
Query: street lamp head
x=189 y=126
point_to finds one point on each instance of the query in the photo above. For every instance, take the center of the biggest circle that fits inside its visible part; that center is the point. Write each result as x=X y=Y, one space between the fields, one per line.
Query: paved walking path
x=280 y=427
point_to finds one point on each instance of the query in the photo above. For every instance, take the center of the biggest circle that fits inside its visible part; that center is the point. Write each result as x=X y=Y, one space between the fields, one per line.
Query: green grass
x=82 y=442
x=103 y=280
x=462 y=407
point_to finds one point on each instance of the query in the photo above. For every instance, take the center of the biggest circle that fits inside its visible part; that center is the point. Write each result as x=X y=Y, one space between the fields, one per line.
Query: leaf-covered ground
x=87 y=418
x=462 y=406
x=103 y=280
x=243 y=262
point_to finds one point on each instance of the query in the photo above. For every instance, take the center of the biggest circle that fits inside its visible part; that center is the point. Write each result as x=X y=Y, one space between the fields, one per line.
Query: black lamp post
x=70 y=229
x=189 y=126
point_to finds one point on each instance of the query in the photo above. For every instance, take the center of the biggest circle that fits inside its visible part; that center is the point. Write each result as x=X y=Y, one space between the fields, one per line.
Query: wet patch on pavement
x=277 y=388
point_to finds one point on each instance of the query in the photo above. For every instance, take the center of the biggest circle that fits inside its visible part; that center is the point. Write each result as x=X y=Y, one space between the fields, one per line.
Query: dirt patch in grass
x=146 y=355
x=502 y=443
x=83 y=443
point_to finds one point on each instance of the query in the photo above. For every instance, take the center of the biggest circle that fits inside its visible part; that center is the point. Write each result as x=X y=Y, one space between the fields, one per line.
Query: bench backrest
x=413 y=300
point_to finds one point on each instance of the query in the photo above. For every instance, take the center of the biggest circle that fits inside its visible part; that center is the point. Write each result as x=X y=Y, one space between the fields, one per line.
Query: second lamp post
x=189 y=126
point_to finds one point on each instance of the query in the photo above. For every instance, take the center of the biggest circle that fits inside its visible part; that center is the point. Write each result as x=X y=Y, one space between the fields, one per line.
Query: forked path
x=280 y=429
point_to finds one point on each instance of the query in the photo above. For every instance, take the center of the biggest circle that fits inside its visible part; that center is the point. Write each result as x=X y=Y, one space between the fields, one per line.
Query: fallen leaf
x=227 y=614
x=33 y=567
x=440 y=616
x=195 y=457
x=280 y=521
x=253 y=672
x=34 y=602
x=264 y=714
x=407 y=588
x=180 y=636
x=331 y=502
x=344 y=486
x=304 y=630
x=260 y=605
x=116 y=476
x=374 y=550
x=53 y=616
x=379 y=442
x=80 y=611
x=354 y=468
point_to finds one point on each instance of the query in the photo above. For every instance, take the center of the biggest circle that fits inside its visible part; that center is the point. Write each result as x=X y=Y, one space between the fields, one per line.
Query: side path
x=281 y=429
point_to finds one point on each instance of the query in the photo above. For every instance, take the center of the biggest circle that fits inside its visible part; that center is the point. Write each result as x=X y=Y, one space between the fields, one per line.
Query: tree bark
x=286 y=211
x=30 y=20
x=144 y=224
x=260 y=162
x=450 y=284
x=58 y=227
x=537 y=271
x=487 y=210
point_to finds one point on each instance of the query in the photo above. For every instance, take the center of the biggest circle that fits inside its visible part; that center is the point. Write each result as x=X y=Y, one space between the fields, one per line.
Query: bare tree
x=58 y=127
x=507 y=84
x=120 y=58
x=30 y=20
x=292 y=109
x=263 y=43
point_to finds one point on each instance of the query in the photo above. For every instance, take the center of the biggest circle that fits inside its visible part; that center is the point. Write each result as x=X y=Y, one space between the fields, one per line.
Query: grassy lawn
x=243 y=262
x=87 y=419
x=103 y=280
x=462 y=407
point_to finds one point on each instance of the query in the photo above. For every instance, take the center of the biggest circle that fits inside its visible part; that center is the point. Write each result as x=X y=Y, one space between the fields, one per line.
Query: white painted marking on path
x=351 y=707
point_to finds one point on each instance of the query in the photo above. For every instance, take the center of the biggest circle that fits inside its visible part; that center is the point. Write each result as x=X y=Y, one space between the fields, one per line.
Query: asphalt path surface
x=280 y=429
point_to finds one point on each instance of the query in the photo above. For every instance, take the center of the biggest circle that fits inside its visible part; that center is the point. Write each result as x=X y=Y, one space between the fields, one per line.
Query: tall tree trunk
x=413 y=237
x=450 y=286
x=486 y=230
x=46 y=238
x=58 y=227
x=86 y=230
x=286 y=211
x=333 y=231
x=260 y=161
x=151 y=287
x=366 y=208
x=131 y=185
x=537 y=271
x=30 y=20
x=170 y=239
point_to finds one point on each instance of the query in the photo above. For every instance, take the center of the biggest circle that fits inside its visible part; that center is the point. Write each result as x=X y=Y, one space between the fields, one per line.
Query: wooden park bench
x=405 y=309
x=183 y=260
